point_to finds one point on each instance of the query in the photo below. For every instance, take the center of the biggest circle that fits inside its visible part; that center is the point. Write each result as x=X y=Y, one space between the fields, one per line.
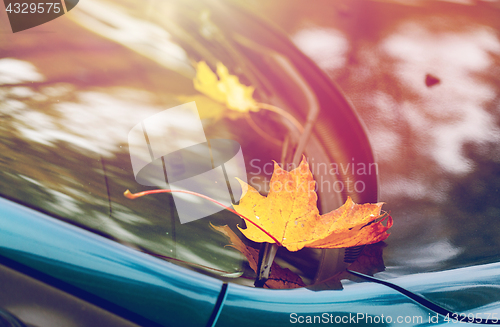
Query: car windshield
x=423 y=79
x=423 y=76
x=66 y=119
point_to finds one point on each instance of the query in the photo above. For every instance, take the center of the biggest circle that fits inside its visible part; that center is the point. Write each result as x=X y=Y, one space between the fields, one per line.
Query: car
x=74 y=251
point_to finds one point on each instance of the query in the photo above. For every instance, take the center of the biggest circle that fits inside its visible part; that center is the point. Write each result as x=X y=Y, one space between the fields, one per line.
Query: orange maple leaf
x=289 y=213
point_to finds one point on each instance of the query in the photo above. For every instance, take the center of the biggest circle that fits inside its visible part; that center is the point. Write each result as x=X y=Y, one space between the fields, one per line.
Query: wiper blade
x=424 y=302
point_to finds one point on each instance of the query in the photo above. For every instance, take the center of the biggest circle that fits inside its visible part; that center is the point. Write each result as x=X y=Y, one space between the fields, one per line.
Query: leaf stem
x=132 y=196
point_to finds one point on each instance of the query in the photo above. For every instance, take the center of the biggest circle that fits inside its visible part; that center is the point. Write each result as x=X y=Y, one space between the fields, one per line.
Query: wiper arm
x=423 y=301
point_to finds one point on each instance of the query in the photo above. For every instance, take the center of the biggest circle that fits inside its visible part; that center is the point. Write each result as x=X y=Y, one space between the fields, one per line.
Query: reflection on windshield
x=142 y=36
x=453 y=113
x=64 y=146
x=65 y=142
x=328 y=47
x=436 y=144
x=68 y=108
x=13 y=71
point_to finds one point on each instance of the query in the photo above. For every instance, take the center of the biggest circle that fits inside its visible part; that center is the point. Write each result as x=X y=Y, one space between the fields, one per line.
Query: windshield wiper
x=423 y=301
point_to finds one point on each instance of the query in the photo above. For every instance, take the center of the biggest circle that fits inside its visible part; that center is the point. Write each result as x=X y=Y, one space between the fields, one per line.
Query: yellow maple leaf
x=207 y=82
x=224 y=88
x=207 y=108
x=290 y=214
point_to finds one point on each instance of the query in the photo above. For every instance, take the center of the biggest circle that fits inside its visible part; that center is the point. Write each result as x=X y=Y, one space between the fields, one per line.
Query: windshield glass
x=69 y=102
x=422 y=77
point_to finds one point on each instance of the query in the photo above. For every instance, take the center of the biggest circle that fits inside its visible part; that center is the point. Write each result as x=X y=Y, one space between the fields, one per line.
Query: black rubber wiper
x=424 y=302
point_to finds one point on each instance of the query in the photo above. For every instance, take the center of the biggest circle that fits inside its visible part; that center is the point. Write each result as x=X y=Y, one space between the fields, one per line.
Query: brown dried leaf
x=279 y=278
